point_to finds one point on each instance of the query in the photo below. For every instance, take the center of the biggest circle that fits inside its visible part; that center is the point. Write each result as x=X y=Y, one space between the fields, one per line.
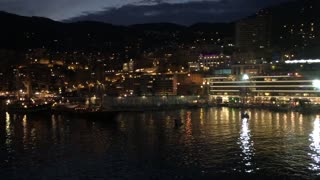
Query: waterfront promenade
x=147 y=103
x=143 y=103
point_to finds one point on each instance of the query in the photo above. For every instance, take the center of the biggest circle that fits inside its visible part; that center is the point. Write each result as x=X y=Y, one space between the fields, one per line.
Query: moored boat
x=245 y=115
x=28 y=107
x=78 y=110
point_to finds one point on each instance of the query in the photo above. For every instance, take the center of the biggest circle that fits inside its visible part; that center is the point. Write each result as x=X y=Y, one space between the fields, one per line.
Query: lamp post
x=316 y=84
x=206 y=87
x=245 y=77
x=244 y=114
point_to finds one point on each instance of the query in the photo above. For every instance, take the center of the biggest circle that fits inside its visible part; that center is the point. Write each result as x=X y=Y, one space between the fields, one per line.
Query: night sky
x=127 y=12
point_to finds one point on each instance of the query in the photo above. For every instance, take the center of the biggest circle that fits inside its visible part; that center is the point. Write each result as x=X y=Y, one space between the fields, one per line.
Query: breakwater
x=136 y=103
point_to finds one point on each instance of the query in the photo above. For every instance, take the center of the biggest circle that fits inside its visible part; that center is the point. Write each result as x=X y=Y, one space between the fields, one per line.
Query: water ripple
x=212 y=142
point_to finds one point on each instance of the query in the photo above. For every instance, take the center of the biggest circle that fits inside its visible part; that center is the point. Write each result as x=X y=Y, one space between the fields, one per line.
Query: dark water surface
x=211 y=143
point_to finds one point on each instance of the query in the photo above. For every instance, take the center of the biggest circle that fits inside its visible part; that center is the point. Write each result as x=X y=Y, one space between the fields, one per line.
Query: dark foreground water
x=211 y=143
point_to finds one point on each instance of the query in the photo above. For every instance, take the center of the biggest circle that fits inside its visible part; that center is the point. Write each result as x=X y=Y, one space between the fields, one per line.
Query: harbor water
x=211 y=142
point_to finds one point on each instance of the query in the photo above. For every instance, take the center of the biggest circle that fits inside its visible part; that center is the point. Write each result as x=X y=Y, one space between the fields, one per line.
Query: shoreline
x=141 y=108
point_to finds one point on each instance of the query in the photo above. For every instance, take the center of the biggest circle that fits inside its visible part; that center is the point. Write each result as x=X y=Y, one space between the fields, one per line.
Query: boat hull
x=17 y=109
x=75 y=111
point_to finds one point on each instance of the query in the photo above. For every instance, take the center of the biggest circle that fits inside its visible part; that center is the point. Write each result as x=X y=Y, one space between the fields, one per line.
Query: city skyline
x=160 y=89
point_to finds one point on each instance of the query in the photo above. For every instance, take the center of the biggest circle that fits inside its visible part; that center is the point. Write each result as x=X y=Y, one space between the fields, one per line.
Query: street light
x=244 y=114
x=206 y=86
x=245 y=77
x=316 y=83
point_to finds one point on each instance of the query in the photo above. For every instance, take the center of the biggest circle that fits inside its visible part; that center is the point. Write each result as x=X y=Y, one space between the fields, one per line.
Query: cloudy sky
x=138 y=11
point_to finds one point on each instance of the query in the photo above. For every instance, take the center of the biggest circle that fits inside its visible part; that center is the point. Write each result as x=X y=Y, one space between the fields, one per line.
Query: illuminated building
x=125 y=67
x=206 y=62
x=263 y=89
x=189 y=84
x=238 y=69
x=194 y=66
x=213 y=61
x=164 y=84
x=131 y=66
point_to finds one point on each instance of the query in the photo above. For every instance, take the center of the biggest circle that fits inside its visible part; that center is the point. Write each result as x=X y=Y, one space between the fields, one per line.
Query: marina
x=112 y=105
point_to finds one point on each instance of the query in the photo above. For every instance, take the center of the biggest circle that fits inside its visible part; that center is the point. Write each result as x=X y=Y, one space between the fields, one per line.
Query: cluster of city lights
x=302 y=61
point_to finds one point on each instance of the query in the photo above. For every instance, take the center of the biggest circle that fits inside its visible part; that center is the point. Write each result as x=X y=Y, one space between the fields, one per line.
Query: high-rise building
x=131 y=65
x=125 y=67
x=254 y=32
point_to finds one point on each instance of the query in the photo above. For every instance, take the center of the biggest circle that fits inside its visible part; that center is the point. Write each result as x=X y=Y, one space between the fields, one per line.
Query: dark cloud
x=137 y=11
x=180 y=13
x=150 y=2
x=59 y=9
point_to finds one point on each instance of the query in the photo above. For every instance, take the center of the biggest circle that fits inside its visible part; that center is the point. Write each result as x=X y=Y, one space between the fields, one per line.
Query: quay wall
x=144 y=102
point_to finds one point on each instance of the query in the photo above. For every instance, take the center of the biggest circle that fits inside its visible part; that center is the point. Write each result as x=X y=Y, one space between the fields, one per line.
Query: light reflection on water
x=9 y=131
x=315 y=145
x=188 y=125
x=147 y=145
x=246 y=145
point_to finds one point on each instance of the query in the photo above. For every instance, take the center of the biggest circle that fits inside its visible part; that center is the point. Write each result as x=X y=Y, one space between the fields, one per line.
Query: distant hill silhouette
x=19 y=32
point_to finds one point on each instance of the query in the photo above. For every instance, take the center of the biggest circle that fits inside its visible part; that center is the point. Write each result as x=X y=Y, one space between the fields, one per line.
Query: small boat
x=97 y=112
x=28 y=107
x=63 y=108
x=280 y=107
x=78 y=110
x=245 y=115
x=178 y=122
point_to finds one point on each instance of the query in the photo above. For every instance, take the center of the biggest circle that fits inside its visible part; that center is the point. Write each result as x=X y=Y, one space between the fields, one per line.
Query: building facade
x=268 y=89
